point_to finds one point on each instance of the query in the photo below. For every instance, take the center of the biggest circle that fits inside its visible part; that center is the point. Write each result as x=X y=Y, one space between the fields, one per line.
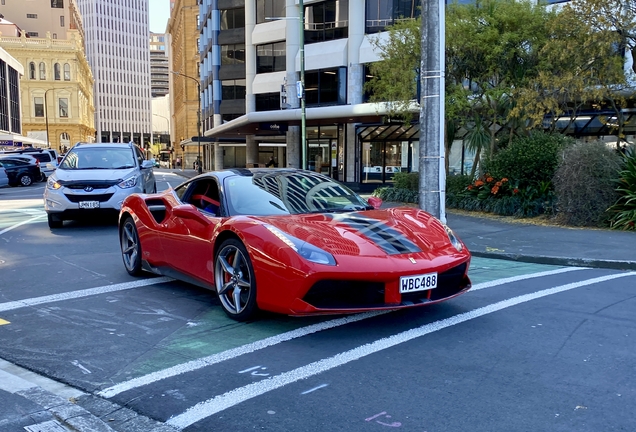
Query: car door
x=188 y=231
x=147 y=176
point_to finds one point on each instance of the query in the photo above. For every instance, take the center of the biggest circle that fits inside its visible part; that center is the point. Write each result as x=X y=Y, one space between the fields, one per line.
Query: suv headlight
x=128 y=183
x=304 y=249
x=453 y=238
x=51 y=183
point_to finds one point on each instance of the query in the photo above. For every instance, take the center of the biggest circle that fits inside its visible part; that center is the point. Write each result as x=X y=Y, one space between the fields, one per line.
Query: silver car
x=96 y=178
x=4 y=178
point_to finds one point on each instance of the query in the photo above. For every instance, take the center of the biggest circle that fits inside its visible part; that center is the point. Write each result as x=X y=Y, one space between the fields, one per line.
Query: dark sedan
x=20 y=172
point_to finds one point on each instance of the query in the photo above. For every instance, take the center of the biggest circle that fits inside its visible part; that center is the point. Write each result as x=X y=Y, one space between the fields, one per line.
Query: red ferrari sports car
x=293 y=242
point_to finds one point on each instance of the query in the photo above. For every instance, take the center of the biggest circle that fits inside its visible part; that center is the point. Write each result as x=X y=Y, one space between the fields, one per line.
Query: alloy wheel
x=233 y=276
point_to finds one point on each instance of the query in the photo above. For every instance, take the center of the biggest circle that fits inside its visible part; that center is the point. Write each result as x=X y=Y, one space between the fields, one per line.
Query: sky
x=159 y=11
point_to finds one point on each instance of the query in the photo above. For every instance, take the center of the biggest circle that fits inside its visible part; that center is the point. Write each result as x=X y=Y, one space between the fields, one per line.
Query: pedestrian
x=271 y=163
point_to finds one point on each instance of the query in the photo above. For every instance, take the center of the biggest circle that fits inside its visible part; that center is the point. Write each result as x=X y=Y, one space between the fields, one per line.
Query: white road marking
x=229 y=399
x=280 y=338
x=523 y=277
x=21 y=223
x=18 y=304
x=314 y=389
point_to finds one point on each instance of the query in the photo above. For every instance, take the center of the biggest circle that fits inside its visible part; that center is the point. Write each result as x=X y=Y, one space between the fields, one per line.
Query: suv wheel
x=26 y=180
x=54 y=221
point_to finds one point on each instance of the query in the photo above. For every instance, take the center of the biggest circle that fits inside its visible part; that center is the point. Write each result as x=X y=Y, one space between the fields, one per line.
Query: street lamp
x=199 y=167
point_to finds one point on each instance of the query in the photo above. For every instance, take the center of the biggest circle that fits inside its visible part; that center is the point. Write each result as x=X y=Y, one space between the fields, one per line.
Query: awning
x=272 y=122
x=14 y=140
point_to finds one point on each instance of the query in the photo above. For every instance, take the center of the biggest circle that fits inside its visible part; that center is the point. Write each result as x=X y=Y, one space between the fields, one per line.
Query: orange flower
x=470 y=187
x=504 y=179
x=514 y=191
x=494 y=190
x=498 y=184
x=479 y=183
x=489 y=179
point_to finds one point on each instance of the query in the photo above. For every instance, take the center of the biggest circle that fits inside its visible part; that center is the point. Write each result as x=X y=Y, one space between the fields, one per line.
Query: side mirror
x=50 y=166
x=375 y=202
x=148 y=164
x=188 y=211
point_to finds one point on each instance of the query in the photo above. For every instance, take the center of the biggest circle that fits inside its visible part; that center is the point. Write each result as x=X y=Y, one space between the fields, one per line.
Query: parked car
x=95 y=178
x=4 y=177
x=20 y=171
x=47 y=158
x=293 y=242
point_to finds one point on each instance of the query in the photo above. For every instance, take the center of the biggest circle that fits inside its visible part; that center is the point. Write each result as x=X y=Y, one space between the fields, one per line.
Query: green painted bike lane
x=213 y=332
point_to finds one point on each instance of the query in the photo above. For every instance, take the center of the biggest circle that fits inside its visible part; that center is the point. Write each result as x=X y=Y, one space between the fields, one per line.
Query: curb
x=559 y=261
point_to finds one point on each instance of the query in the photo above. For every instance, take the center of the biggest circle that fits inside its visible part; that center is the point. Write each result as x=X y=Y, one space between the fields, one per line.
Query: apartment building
x=39 y=17
x=118 y=50
x=159 y=66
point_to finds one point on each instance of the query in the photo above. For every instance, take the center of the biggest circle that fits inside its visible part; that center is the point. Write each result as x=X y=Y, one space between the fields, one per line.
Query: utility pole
x=432 y=187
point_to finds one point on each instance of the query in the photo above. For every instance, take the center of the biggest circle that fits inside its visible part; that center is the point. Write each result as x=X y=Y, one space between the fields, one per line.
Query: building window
x=270 y=57
x=326 y=21
x=269 y=9
x=383 y=13
x=32 y=70
x=232 y=18
x=233 y=89
x=38 y=105
x=232 y=54
x=67 y=72
x=326 y=87
x=34 y=16
x=58 y=4
x=267 y=101
x=63 y=105
x=42 y=71
x=4 y=100
x=57 y=73
x=62 y=21
x=14 y=100
x=54 y=35
x=33 y=34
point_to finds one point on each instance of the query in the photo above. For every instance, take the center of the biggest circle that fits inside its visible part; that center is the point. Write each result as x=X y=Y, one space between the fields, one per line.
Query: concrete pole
x=432 y=187
x=251 y=151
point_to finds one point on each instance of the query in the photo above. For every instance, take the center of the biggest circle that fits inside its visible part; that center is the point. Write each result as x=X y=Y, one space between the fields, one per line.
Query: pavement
x=34 y=403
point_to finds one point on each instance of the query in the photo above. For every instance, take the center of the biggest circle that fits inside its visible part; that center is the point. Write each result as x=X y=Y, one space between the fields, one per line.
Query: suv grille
x=95 y=184
x=87 y=197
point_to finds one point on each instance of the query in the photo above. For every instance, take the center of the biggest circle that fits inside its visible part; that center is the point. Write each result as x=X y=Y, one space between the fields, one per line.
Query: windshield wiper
x=124 y=167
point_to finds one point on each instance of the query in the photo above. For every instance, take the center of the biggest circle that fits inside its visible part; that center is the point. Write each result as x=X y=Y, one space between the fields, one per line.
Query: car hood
x=383 y=232
x=108 y=175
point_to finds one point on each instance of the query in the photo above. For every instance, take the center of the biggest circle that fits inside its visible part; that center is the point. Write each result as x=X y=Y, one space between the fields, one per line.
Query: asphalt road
x=531 y=347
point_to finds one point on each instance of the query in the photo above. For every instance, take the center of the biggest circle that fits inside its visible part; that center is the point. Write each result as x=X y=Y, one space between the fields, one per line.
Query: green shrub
x=528 y=160
x=457 y=183
x=624 y=210
x=410 y=181
x=584 y=184
x=393 y=194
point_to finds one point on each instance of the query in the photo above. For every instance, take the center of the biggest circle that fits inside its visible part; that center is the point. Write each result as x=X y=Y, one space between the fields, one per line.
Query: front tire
x=234 y=280
x=130 y=247
x=54 y=221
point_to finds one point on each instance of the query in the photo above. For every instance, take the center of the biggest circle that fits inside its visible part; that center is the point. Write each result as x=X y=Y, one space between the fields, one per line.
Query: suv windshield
x=98 y=158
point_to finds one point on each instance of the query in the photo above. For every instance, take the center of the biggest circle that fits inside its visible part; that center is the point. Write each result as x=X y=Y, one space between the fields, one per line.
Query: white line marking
x=314 y=389
x=21 y=223
x=522 y=277
x=241 y=394
x=81 y=293
x=274 y=340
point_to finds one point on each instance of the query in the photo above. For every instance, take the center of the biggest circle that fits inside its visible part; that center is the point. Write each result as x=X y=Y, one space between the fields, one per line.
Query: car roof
x=103 y=145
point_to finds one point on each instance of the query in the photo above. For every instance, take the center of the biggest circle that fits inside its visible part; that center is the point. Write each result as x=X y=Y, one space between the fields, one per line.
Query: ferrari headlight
x=51 y=183
x=128 y=183
x=453 y=239
x=304 y=249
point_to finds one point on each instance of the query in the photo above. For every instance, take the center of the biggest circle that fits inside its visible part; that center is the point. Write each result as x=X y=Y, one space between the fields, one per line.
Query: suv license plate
x=421 y=282
x=88 y=204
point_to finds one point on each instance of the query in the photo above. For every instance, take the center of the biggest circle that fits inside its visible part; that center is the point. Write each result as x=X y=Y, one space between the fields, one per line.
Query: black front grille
x=343 y=294
x=449 y=283
x=87 y=197
x=95 y=184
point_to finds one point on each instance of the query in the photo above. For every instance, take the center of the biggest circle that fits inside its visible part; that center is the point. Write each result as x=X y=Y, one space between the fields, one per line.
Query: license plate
x=421 y=282
x=88 y=204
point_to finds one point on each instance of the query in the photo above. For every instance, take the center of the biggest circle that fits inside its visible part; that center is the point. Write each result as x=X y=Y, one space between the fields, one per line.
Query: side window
x=180 y=191
x=205 y=196
x=8 y=163
x=139 y=155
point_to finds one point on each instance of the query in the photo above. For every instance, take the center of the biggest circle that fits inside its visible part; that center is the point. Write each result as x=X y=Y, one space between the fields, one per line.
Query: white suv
x=96 y=178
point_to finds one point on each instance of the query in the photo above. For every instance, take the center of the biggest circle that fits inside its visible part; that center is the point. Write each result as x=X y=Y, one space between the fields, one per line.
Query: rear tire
x=26 y=180
x=54 y=221
x=130 y=247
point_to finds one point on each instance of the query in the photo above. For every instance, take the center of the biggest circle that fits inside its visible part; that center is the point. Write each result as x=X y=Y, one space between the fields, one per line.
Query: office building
x=118 y=51
x=159 y=67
